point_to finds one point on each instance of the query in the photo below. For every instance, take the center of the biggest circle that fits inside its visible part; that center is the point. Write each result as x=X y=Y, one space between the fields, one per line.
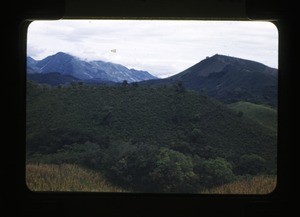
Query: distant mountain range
x=225 y=78
x=66 y=64
x=228 y=79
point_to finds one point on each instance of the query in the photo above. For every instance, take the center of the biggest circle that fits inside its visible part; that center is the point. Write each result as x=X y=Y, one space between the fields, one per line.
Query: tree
x=173 y=172
x=251 y=164
x=135 y=84
x=107 y=119
x=179 y=87
x=182 y=146
x=216 y=172
x=125 y=83
x=129 y=165
x=196 y=135
x=208 y=151
x=240 y=114
x=108 y=114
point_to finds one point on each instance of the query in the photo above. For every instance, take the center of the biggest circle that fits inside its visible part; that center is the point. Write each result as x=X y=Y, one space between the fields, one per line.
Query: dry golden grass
x=255 y=185
x=66 y=177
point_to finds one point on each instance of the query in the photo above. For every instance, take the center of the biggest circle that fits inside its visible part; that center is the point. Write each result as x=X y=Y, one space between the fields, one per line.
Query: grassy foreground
x=255 y=185
x=66 y=177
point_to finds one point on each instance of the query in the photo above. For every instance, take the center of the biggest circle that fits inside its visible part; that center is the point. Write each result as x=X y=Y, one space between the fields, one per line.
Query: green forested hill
x=162 y=138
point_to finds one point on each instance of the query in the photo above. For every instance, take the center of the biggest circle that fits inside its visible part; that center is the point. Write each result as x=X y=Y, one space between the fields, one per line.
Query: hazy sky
x=161 y=47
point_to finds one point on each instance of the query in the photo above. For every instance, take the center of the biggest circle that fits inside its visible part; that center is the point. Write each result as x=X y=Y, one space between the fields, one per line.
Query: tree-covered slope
x=137 y=131
x=53 y=79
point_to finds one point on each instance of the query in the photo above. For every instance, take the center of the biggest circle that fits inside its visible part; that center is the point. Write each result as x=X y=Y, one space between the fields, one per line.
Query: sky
x=162 y=48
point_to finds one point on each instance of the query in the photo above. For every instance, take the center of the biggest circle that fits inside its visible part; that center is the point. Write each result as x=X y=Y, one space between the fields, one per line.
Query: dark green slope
x=53 y=78
x=180 y=120
x=264 y=115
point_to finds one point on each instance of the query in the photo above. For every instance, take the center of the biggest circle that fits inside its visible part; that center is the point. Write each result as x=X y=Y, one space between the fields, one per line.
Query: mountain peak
x=205 y=67
x=254 y=65
x=231 y=79
x=67 y=64
x=219 y=62
x=229 y=59
x=63 y=55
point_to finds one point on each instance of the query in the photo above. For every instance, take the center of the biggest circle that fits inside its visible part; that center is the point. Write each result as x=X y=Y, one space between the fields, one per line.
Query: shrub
x=216 y=171
x=251 y=164
x=173 y=171
x=196 y=135
x=129 y=165
x=87 y=154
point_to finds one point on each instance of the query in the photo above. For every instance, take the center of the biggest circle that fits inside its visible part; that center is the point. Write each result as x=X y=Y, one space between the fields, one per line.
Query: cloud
x=35 y=52
x=160 y=47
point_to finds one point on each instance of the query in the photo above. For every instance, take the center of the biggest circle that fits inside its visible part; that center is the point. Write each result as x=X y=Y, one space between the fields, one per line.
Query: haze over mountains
x=66 y=64
x=225 y=78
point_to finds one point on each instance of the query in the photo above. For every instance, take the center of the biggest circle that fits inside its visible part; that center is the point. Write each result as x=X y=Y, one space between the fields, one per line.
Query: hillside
x=253 y=185
x=66 y=177
x=56 y=79
x=264 y=115
x=52 y=79
x=228 y=79
x=133 y=134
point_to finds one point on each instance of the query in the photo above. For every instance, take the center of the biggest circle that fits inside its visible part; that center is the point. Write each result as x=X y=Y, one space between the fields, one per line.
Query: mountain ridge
x=208 y=65
x=225 y=78
x=229 y=79
x=67 y=64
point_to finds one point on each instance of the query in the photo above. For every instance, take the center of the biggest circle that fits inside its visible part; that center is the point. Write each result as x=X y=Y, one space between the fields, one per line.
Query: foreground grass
x=255 y=185
x=66 y=177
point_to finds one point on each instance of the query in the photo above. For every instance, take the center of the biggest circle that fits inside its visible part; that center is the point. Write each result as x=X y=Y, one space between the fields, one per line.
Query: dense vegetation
x=163 y=139
x=53 y=79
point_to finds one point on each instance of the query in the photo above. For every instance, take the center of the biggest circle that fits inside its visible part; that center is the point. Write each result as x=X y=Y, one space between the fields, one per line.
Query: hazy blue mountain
x=31 y=68
x=66 y=64
x=229 y=79
x=31 y=61
x=142 y=75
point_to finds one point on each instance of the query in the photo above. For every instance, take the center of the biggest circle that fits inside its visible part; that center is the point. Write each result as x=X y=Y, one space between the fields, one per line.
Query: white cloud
x=160 y=47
